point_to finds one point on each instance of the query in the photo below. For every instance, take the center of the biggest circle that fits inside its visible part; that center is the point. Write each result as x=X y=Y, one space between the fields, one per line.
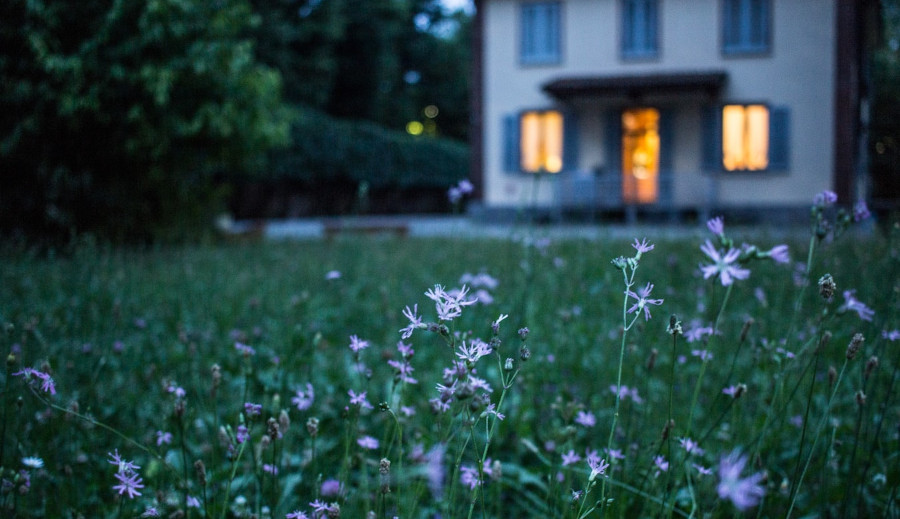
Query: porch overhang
x=708 y=83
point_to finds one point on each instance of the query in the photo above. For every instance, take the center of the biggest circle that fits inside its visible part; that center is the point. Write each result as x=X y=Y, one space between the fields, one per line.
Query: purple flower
x=469 y=477
x=332 y=274
x=357 y=344
x=405 y=349
x=586 y=419
x=474 y=350
x=47 y=384
x=702 y=470
x=744 y=493
x=367 y=442
x=851 y=303
x=296 y=514
x=892 y=335
x=661 y=463
x=123 y=465
x=129 y=483
x=723 y=265
x=643 y=301
x=252 y=409
x=697 y=333
x=779 y=254
x=150 y=512
x=242 y=433
x=716 y=225
x=193 y=502
x=447 y=305
x=570 y=458
x=304 y=399
x=359 y=399
x=163 y=437
x=690 y=446
x=434 y=468
x=330 y=488
x=626 y=392
x=245 y=350
x=271 y=469
x=642 y=246
x=860 y=211
x=598 y=467
x=465 y=187
x=414 y=321
x=825 y=198
x=703 y=354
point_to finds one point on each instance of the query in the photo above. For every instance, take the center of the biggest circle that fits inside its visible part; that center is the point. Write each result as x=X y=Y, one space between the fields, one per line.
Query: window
x=639 y=29
x=540 y=32
x=541 y=142
x=745 y=137
x=745 y=26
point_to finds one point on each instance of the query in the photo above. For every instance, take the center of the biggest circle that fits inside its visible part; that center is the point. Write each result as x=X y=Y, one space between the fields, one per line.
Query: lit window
x=541 y=142
x=745 y=137
x=540 y=33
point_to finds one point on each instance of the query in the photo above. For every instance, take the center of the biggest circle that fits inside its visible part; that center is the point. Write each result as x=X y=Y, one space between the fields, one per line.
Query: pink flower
x=163 y=437
x=367 y=442
x=129 y=483
x=586 y=419
x=570 y=457
x=723 y=265
x=469 y=477
x=359 y=399
x=414 y=321
x=357 y=344
x=304 y=399
x=743 y=492
x=296 y=514
x=47 y=384
x=332 y=274
x=642 y=246
x=779 y=254
x=690 y=446
x=598 y=467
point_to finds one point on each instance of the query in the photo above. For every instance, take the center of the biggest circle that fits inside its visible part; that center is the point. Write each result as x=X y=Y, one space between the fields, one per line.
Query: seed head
x=524 y=353
x=312 y=427
x=855 y=345
x=871 y=364
x=827 y=286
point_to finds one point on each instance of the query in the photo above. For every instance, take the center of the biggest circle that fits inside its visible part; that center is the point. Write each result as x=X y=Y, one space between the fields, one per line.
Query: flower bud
x=827 y=286
x=871 y=364
x=312 y=427
x=524 y=353
x=855 y=345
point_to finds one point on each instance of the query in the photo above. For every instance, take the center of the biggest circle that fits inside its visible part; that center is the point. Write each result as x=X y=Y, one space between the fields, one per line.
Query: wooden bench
x=367 y=226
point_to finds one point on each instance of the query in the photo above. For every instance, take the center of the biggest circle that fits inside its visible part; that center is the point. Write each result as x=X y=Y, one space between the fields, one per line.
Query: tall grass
x=187 y=363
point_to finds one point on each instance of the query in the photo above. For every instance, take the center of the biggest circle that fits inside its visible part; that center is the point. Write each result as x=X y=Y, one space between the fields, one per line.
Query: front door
x=640 y=155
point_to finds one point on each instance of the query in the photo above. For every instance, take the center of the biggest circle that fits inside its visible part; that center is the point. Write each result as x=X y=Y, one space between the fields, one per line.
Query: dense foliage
x=130 y=120
x=237 y=379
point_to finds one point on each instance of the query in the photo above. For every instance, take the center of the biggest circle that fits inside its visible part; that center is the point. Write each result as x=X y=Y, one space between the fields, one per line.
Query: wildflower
x=252 y=409
x=332 y=274
x=150 y=512
x=723 y=265
x=122 y=464
x=474 y=351
x=744 y=493
x=414 y=322
x=661 y=464
x=296 y=514
x=434 y=469
x=892 y=335
x=193 y=502
x=163 y=437
x=405 y=350
x=319 y=506
x=242 y=433
x=469 y=477
x=465 y=187
x=598 y=467
x=271 y=469
x=359 y=399
x=367 y=442
x=642 y=246
x=735 y=391
x=495 y=326
x=245 y=350
x=330 y=488
x=449 y=306
x=480 y=383
x=403 y=371
x=643 y=301
x=691 y=447
x=304 y=399
x=704 y=355
x=626 y=392
x=570 y=458
x=586 y=419
x=357 y=345
x=860 y=211
x=32 y=462
x=47 y=384
x=825 y=198
x=129 y=483
x=716 y=225
x=492 y=410
x=703 y=471
x=851 y=303
x=779 y=254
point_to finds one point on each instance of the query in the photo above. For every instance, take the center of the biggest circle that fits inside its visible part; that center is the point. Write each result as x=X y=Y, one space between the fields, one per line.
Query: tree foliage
x=116 y=114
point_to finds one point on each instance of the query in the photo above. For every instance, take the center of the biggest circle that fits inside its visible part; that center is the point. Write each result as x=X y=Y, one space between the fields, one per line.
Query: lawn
x=334 y=378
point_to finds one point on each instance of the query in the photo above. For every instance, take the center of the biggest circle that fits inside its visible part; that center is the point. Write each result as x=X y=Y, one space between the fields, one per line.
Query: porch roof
x=636 y=85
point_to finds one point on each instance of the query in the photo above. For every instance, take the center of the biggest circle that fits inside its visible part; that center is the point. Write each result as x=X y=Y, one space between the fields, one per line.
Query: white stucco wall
x=798 y=72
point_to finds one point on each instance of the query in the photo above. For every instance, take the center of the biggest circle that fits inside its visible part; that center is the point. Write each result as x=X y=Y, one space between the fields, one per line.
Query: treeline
x=139 y=120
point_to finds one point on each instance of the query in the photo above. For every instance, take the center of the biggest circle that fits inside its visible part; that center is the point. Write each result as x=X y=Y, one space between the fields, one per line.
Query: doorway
x=640 y=155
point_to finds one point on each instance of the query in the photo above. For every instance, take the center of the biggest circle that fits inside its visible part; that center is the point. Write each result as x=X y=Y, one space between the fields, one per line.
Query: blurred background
x=138 y=121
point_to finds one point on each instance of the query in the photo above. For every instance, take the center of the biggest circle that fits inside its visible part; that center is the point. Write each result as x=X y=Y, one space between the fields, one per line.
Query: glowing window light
x=745 y=137
x=541 y=141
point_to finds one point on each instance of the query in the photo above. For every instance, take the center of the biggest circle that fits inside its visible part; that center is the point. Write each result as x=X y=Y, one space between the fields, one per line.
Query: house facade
x=667 y=105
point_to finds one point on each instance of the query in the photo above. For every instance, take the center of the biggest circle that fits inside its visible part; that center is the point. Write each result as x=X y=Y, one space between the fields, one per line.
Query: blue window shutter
x=711 y=119
x=779 y=138
x=666 y=146
x=570 y=140
x=511 y=151
x=613 y=142
x=652 y=40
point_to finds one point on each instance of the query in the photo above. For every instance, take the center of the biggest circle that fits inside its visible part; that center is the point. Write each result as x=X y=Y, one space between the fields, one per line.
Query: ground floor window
x=541 y=141
x=745 y=137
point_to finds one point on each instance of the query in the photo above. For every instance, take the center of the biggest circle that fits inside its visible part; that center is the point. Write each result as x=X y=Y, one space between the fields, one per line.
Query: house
x=668 y=106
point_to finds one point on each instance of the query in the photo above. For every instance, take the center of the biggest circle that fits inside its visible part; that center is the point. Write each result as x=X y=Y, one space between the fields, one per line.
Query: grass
x=123 y=332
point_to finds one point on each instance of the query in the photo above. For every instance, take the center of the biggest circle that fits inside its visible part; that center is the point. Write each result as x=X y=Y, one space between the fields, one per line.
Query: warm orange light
x=541 y=142
x=745 y=137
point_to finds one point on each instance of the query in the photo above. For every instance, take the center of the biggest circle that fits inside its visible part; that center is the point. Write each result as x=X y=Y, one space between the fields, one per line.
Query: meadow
x=693 y=376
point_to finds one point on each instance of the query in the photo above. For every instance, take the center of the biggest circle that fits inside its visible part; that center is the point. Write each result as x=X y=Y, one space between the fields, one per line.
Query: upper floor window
x=639 y=28
x=541 y=33
x=745 y=26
